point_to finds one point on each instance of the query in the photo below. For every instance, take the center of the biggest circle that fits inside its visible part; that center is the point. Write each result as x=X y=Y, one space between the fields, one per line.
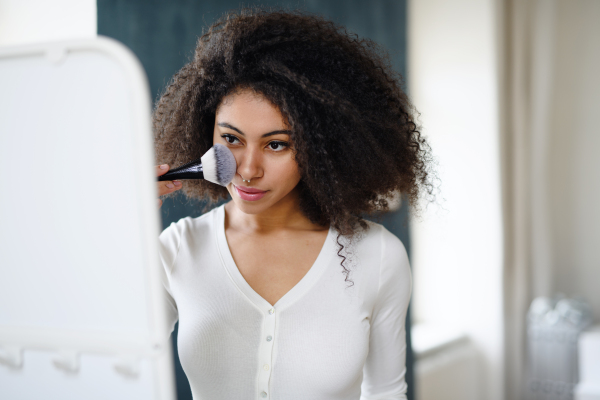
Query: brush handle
x=191 y=170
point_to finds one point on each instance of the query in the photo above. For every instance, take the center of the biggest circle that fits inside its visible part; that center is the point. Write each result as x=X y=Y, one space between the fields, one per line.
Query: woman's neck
x=284 y=215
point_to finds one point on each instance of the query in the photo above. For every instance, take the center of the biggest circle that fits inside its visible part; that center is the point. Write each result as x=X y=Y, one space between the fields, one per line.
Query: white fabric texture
x=323 y=340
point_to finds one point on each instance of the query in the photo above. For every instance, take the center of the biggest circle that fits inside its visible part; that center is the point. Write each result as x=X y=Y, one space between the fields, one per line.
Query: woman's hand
x=166 y=187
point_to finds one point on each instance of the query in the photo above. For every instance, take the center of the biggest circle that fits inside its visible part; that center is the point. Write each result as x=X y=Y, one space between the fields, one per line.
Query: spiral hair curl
x=353 y=131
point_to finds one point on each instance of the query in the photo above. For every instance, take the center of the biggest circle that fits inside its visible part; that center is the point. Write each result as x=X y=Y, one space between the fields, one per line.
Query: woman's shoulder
x=378 y=236
x=186 y=233
x=392 y=257
x=377 y=246
x=191 y=225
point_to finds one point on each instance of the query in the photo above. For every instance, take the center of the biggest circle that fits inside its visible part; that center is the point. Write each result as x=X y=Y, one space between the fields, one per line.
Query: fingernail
x=170 y=186
x=177 y=183
x=164 y=166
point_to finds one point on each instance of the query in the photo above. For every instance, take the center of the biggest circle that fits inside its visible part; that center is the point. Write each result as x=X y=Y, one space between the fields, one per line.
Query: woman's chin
x=251 y=207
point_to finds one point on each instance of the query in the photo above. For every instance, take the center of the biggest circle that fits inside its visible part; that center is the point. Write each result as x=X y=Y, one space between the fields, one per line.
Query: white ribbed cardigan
x=320 y=341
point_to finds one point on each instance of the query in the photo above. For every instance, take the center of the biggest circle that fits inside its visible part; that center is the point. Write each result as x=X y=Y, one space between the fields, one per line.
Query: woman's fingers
x=162 y=169
x=166 y=187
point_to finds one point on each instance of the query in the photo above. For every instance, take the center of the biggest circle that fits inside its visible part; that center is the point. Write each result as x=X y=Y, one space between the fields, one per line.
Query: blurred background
x=505 y=260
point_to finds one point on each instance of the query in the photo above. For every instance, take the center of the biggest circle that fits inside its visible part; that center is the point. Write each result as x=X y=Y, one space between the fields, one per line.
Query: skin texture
x=272 y=243
x=268 y=162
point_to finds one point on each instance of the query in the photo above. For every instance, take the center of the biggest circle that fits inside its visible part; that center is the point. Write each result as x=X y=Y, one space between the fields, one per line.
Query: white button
x=271 y=311
x=263 y=394
x=266 y=367
x=269 y=338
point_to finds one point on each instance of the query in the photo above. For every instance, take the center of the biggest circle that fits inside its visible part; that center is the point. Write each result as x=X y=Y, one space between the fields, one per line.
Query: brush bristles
x=219 y=165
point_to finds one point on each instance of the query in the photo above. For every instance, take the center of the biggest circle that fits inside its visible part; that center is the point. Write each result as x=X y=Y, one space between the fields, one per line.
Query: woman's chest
x=273 y=266
x=225 y=331
x=301 y=345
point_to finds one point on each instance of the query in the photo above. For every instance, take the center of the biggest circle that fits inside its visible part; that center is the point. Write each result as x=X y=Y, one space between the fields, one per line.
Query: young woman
x=285 y=292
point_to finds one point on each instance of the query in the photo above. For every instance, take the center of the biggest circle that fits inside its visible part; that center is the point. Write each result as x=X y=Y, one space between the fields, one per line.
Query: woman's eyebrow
x=226 y=125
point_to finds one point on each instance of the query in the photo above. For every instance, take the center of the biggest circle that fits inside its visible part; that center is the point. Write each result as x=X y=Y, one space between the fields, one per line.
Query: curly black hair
x=353 y=128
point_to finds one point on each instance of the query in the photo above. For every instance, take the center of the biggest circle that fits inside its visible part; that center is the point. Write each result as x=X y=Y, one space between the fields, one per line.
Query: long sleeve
x=169 y=241
x=385 y=367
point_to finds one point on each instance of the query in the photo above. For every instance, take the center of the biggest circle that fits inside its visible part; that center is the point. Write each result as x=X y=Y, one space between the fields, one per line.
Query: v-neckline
x=296 y=292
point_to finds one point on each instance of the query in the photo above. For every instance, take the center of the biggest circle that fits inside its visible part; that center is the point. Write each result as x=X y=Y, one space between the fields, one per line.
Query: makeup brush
x=217 y=165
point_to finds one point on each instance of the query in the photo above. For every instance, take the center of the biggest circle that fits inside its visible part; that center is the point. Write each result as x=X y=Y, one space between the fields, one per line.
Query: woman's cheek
x=288 y=170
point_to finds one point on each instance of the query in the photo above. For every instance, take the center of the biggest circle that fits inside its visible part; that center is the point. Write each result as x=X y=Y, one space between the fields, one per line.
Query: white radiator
x=553 y=330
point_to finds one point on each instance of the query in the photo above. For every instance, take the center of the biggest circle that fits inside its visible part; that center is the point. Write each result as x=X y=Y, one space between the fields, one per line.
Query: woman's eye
x=230 y=139
x=277 y=146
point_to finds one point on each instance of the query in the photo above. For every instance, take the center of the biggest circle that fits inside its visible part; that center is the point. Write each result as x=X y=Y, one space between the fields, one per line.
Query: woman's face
x=257 y=135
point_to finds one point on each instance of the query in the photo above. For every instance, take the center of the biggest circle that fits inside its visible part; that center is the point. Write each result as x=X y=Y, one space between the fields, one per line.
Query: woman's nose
x=249 y=163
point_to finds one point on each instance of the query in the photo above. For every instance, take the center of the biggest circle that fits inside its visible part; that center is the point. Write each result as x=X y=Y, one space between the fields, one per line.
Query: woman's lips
x=249 y=194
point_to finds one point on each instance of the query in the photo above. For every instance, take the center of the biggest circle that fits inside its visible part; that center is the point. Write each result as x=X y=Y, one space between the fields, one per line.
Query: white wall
x=574 y=159
x=31 y=21
x=457 y=247
x=448 y=374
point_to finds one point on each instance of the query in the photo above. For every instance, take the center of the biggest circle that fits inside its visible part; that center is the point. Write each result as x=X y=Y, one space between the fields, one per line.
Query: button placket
x=266 y=353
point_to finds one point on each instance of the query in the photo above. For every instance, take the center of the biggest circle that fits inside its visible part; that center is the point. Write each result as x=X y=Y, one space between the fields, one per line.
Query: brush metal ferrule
x=191 y=170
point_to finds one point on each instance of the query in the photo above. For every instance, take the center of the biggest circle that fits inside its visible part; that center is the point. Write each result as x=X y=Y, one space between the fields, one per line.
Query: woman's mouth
x=249 y=194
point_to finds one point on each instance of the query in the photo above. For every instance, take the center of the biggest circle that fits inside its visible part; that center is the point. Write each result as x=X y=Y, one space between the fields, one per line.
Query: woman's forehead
x=250 y=112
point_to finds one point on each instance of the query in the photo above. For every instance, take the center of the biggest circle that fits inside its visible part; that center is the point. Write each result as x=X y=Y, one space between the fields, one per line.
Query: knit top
x=325 y=339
